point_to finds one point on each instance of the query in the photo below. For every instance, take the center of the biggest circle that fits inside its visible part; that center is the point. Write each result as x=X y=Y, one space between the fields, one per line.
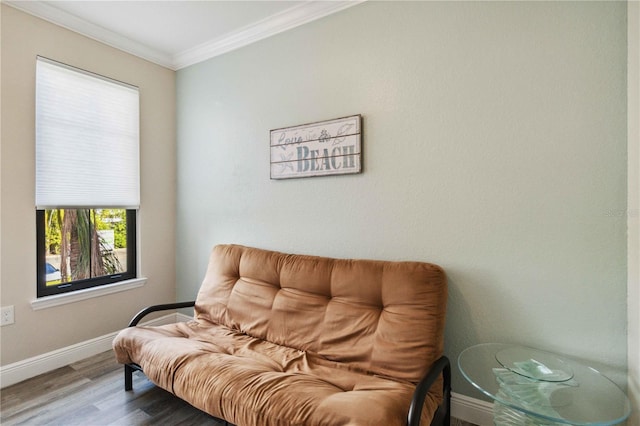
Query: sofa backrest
x=381 y=317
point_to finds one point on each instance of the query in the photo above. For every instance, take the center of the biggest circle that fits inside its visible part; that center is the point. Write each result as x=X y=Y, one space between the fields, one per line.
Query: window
x=97 y=246
x=87 y=178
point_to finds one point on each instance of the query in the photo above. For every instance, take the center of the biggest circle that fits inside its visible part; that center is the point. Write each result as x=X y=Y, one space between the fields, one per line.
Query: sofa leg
x=128 y=378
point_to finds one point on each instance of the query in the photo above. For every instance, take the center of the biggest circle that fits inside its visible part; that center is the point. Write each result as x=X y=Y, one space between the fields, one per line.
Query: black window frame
x=43 y=290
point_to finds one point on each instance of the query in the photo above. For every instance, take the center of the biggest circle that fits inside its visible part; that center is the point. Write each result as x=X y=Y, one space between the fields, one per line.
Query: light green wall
x=494 y=146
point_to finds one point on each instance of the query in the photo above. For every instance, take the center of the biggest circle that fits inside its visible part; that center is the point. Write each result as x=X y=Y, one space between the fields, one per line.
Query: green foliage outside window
x=84 y=251
x=103 y=219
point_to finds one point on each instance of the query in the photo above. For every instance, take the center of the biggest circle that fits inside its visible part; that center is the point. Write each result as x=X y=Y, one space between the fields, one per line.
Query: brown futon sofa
x=281 y=339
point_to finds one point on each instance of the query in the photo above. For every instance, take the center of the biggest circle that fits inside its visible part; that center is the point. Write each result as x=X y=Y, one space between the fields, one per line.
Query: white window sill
x=88 y=293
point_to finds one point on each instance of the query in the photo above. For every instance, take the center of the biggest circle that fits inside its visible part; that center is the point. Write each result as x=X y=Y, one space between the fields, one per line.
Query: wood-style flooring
x=91 y=393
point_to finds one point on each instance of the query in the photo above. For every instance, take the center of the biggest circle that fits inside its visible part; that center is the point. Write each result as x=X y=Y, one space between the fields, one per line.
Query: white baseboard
x=183 y=318
x=462 y=407
x=18 y=371
x=471 y=410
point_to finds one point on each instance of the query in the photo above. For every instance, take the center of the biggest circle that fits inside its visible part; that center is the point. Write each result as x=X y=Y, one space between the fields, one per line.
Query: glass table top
x=544 y=385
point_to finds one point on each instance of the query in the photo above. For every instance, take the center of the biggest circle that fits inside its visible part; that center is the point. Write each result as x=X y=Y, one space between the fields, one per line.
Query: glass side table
x=533 y=387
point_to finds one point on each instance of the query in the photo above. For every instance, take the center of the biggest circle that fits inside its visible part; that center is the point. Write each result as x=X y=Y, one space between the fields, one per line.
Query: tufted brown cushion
x=289 y=339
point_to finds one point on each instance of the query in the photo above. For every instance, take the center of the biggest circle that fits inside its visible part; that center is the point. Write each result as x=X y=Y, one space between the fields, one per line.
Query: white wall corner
x=633 y=208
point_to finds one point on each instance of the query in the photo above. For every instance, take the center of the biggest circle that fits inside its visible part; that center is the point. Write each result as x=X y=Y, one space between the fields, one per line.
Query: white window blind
x=87 y=139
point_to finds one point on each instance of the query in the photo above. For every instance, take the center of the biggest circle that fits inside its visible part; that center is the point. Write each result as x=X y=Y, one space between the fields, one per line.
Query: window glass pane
x=84 y=243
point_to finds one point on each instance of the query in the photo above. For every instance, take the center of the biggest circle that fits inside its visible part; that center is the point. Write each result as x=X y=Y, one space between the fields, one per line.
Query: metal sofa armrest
x=442 y=415
x=130 y=368
x=155 y=308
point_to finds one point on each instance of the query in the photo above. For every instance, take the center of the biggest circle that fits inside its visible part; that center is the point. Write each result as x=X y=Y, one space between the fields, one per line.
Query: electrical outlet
x=6 y=315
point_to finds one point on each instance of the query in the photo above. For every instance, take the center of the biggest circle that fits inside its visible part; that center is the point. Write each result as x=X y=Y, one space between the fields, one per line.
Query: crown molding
x=43 y=10
x=288 y=19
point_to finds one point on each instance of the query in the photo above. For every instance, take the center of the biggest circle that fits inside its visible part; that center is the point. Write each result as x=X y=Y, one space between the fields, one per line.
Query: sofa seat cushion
x=248 y=393
x=161 y=350
x=250 y=381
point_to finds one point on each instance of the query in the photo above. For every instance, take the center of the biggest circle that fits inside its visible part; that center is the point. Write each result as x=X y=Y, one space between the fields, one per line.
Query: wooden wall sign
x=330 y=147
